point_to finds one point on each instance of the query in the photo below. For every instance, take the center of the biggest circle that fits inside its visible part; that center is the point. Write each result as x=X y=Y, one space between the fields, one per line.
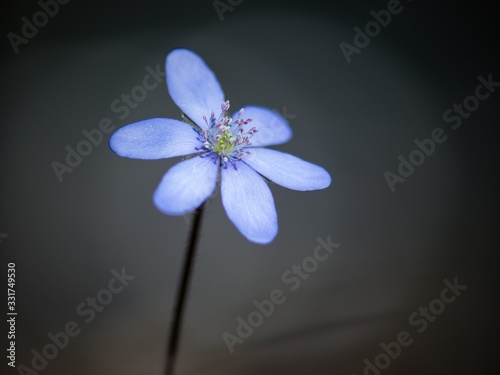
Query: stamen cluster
x=226 y=136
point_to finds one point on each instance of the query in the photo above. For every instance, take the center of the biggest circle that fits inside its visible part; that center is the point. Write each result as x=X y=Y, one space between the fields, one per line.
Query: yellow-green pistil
x=225 y=143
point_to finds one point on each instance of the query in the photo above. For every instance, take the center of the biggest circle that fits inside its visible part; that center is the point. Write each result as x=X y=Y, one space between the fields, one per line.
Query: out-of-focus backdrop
x=397 y=100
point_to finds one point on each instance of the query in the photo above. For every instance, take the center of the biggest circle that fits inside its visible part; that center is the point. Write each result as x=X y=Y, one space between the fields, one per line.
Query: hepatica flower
x=218 y=145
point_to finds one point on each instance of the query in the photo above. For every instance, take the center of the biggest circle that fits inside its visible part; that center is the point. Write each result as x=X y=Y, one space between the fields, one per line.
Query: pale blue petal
x=272 y=128
x=193 y=86
x=287 y=170
x=186 y=185
x=249 y=203
x=156 y=138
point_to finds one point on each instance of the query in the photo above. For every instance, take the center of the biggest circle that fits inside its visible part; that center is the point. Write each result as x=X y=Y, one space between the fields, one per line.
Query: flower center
x=227 y=137
x=225 y=143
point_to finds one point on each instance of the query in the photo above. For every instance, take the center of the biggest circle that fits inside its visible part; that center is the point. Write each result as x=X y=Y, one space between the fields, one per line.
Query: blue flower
x=219 y=147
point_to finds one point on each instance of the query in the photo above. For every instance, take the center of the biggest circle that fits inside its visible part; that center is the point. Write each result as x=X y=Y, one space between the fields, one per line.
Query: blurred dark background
x=354 y=119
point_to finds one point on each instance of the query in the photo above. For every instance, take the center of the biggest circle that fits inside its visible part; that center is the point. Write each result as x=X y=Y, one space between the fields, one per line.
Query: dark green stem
x=173 y=341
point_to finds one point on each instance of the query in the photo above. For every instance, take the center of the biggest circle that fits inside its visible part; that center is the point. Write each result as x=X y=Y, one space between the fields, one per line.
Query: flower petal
x=186 y=185
x=156 y=138
x=193 y=86
x=287 y=170
x=272 y=128
x=249 y=203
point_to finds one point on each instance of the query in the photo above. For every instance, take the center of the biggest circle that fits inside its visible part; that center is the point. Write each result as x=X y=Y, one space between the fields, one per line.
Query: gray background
x=353 y=119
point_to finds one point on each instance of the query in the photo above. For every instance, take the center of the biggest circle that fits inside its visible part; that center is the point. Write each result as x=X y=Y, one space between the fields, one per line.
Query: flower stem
x=173 y=341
